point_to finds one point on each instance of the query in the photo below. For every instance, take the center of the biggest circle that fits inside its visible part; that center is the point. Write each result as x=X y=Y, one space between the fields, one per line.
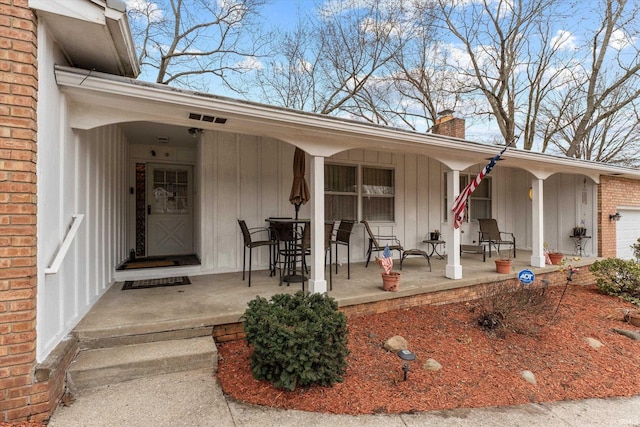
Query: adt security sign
x=526 y=277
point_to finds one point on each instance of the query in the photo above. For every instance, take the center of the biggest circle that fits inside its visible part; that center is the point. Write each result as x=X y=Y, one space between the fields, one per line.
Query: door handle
x=148 y=209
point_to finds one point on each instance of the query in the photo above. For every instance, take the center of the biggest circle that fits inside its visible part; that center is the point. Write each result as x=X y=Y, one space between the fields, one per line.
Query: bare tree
x=615 y=140
x=596 y=115
x=327 y=62
x=185 y=42
x=507 y=58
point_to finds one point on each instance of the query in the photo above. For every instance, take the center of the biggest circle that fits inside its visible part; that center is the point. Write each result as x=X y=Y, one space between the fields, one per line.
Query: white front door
x=169 y=209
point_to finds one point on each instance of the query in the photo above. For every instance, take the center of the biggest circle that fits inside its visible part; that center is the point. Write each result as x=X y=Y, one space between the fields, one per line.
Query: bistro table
x=434 y=247
x=291 y=245
x=579 y=242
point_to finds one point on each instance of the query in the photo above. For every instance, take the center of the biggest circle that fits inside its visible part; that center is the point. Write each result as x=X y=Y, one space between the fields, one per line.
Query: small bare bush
x=511 y=306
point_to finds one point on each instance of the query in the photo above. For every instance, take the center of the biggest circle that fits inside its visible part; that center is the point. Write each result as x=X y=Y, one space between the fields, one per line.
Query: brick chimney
x=448 y=125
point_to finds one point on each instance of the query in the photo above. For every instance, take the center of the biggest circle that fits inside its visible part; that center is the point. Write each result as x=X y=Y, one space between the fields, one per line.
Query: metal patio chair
x=248 y=235
x=378 y=242
x=490 y=235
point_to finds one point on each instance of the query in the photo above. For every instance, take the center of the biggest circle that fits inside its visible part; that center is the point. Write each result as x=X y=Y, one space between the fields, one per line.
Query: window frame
x=359 y=193
x=465 y=178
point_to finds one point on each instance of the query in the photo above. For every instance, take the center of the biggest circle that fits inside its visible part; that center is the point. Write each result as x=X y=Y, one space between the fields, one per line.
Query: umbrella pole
x=297 y=205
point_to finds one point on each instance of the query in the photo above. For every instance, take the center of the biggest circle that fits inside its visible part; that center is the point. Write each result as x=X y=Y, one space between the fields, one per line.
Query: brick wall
x=234 y=331
x=450 y=126
x=613 y=192
x=20 y=398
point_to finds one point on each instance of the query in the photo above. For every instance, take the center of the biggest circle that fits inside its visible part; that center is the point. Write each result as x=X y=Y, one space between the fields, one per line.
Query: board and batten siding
x=250 y=178
x=79 y=172
x=91 y=181
x=246 y=177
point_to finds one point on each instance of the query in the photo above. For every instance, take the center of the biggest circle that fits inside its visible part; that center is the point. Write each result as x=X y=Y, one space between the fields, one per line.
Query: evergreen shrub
x=618 y=277
x=298 y=340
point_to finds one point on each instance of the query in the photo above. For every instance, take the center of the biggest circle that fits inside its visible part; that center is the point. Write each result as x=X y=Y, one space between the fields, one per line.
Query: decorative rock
x=432 y=365
x=593 y=343
x=529 y=377
x=631 y=334
x=396 y=344
x=633 y=317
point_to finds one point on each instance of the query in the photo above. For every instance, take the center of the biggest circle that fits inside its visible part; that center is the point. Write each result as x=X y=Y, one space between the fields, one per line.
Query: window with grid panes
x=340 y=192
x=478 y=204
x=345 y=185
x=378 y=194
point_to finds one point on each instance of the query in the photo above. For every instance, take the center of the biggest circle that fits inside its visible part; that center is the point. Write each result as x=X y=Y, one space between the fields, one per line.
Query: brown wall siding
x=613 y=192
x=20 y=398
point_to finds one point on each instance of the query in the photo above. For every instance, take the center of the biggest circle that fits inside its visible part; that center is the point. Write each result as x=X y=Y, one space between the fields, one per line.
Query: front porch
x=220 y=299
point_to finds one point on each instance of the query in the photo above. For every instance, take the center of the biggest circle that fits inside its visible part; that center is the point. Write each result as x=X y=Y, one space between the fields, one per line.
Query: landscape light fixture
x=615 y=217
x=406 y=356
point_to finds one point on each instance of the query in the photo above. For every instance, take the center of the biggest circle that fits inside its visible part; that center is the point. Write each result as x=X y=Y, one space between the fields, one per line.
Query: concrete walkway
x=193 y=398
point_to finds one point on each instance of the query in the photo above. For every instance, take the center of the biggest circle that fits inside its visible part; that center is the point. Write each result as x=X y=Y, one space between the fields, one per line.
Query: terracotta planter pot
x=503 y=266
x=391 y=281
x=556 y=258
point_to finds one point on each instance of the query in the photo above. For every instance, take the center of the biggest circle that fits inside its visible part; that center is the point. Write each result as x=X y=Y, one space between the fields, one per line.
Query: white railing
x=66 y=244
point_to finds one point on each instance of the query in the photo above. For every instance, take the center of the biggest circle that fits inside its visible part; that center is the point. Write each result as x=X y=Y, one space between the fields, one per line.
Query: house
x=82 y=138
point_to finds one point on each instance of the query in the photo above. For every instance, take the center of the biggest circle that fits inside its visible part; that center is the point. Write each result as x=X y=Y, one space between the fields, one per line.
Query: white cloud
x=250 y=63
x=146 y=8
x=620 y=40
x=564 y=40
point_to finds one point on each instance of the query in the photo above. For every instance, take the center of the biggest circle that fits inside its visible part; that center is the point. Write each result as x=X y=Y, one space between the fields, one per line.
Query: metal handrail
x=66 y=244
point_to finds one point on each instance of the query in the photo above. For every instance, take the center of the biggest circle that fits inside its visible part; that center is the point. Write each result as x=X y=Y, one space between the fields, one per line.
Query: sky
x=283 y=14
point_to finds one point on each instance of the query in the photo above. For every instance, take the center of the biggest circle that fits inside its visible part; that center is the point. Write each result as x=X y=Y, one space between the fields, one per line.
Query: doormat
x=156 y=283
x=160 y=261
x=149 y=264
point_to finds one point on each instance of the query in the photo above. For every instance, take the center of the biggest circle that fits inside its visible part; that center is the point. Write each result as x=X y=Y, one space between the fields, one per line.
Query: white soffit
x=91 y=34
x=317 y=134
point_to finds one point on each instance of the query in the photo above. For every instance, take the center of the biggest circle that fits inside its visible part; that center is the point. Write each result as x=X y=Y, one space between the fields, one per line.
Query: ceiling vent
x=206 y=118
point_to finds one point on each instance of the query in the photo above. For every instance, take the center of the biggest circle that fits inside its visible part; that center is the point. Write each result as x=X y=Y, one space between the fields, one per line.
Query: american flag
x=386 y=262
x=461 y=201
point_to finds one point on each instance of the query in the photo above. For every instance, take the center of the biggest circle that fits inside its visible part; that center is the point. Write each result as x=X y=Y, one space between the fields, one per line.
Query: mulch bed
x=479 y=368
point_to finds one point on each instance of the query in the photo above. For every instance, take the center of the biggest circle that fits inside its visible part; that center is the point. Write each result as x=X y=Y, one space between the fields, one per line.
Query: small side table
x=579 y=242
x=434 y=247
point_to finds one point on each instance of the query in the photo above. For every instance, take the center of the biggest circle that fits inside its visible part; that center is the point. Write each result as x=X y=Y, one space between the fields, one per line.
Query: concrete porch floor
x=219 y=299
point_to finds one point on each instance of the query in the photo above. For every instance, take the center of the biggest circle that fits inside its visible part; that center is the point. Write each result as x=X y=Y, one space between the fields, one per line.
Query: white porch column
x=317 y=281
x=537 y=223
x=453 y=237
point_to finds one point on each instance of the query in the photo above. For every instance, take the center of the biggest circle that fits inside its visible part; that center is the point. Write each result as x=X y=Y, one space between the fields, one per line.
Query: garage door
x=627 y=232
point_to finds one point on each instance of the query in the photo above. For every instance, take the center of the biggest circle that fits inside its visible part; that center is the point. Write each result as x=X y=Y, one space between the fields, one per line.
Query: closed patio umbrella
x=299 y=190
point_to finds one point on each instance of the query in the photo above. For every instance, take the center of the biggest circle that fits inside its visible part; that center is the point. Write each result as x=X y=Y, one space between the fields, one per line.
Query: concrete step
x=103 y=366
x=121 y=337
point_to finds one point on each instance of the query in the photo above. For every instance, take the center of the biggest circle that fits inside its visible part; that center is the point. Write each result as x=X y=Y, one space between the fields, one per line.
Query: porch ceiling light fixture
x=615 y=217
x=195 y=132
x=406 y=356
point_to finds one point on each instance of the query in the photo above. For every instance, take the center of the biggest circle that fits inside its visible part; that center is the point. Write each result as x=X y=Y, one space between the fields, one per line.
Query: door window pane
x=170 y=191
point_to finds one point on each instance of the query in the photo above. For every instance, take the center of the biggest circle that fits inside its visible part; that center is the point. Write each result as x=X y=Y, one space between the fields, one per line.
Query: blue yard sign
x=526 y=277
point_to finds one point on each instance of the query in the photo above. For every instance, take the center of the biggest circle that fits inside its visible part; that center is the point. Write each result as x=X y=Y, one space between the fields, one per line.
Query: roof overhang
x=99 y=99
x=92 y=34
